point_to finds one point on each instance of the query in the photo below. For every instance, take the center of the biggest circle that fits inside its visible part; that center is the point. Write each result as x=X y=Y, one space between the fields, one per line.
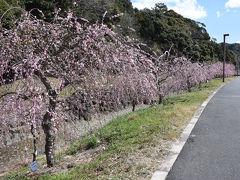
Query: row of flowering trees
x=107 y=72
x=184 y=75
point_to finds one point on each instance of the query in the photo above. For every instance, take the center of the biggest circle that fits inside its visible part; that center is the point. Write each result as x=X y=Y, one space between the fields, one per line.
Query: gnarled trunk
x=188 y=85
x=160 y=99
x=134 y=103
x=48 y=129
x=50 y=139
x=47 y=123
x=34 y=143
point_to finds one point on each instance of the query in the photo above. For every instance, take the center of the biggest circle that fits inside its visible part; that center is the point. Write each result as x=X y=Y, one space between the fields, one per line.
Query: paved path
x=212 y=151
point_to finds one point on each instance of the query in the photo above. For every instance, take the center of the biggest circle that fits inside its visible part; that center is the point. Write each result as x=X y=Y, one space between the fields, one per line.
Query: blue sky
x=220 y=16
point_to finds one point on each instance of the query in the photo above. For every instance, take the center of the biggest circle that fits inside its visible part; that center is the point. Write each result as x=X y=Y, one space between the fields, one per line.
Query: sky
x=219 y=16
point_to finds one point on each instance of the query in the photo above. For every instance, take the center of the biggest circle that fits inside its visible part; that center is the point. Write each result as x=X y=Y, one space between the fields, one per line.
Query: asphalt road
x=212 y=151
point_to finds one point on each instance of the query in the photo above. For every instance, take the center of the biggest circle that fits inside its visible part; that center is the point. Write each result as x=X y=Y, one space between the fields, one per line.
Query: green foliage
x=232 y=52
x=11 y=15
x=93 y=10
x=231 y=56
x=166 y=28
x=3 y=6
x=89 y=143
x=124 y=6
x=235 y=48
x=48 y=7
x=189 y=38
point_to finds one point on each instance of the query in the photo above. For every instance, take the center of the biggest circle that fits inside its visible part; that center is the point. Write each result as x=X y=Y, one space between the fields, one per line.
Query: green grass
x=124 y=136
x=17 y=175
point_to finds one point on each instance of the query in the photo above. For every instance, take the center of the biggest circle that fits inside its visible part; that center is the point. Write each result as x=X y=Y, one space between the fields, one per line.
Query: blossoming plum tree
x=73 y=53
x=107 y=72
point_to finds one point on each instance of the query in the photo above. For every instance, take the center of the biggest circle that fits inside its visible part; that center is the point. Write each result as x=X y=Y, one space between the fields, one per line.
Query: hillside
x=235 y=48
x=159 y=27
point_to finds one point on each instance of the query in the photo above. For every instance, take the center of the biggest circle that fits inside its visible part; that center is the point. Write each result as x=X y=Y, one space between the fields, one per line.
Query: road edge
x=162 y=172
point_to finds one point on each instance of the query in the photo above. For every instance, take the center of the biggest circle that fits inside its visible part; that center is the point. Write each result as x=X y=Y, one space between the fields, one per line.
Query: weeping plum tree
x=34 y=52
x=181 y=74
x=100 y=65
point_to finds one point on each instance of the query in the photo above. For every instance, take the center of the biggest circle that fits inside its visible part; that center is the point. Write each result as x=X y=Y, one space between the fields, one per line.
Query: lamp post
x=224 y=54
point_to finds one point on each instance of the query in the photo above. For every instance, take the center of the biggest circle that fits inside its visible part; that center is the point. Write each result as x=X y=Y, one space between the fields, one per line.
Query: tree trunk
x=160 y=100
x=47 y=123
x=50 y=139
x=189 y=85
x=34 y=144
x=200 y=85
x=134 y=103
x=48 y=129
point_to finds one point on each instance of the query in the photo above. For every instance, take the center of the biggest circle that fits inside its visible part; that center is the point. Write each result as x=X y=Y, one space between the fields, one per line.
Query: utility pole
x=224 y=54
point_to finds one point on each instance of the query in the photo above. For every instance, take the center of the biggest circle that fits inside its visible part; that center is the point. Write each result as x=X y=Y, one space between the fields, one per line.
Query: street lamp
x=224 y=54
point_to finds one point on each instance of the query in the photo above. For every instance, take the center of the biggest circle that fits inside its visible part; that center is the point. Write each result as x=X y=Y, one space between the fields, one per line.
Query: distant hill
x=235 y=48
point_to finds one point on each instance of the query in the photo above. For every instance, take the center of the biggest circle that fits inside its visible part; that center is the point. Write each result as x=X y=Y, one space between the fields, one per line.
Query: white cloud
x=238 y=42
x=141 y=4
x=187 y=8
x=232 y=4
x=218 y=14
x=190 y=9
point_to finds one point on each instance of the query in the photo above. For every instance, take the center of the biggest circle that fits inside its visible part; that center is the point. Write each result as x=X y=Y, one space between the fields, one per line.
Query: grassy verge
x=132 y=146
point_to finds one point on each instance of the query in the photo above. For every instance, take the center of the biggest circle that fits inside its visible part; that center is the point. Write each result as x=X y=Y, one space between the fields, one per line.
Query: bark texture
x=47 y=124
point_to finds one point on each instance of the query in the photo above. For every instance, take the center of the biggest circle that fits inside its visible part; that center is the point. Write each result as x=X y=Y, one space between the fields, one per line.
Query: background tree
x=235 y=48
x=9 y=17
x=48 y=7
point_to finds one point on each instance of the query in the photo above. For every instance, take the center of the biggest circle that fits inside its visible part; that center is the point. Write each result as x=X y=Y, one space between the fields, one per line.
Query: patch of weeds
x=133 y=117
x=73 y=149
x=59 y=155
x=90 y=143
x=83 y=144
x=19 y=174
x=115 y=178
x=174 y=99
x=141 y=166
